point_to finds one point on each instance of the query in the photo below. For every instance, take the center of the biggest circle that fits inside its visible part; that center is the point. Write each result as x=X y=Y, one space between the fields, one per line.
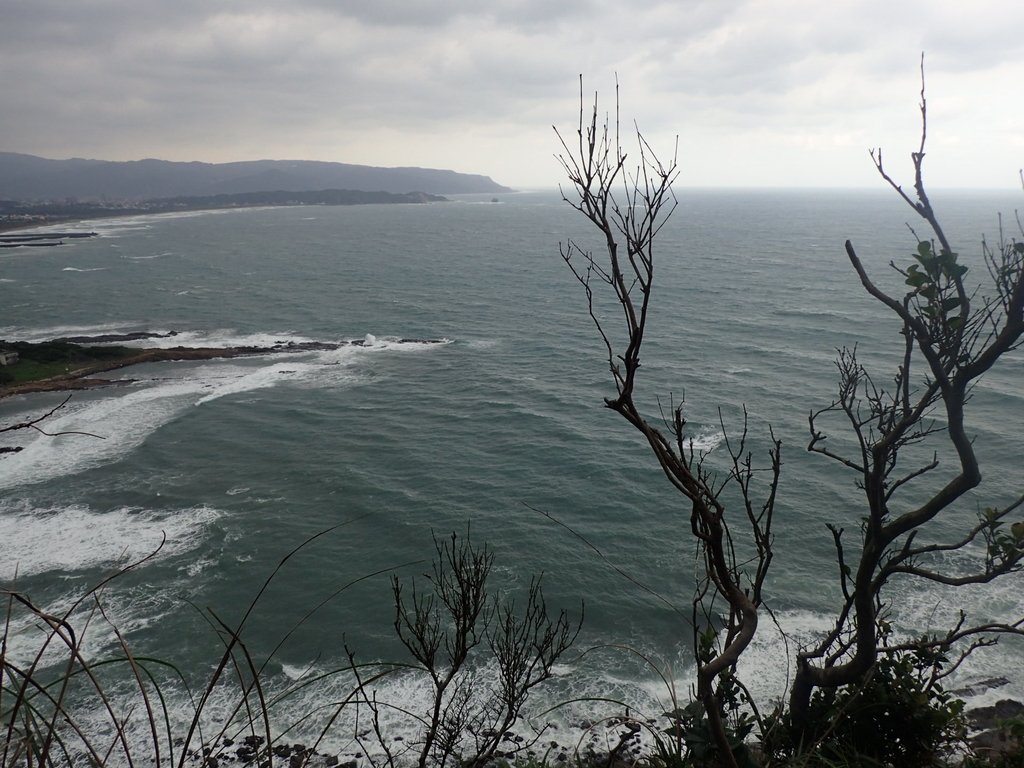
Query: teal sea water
x=238 y=461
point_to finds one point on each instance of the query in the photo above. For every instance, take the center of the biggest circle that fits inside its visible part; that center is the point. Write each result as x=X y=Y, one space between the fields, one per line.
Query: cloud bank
x=760 y=92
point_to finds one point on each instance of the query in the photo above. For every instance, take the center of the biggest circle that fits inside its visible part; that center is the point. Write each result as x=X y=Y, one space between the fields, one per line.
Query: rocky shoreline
x=610 y=743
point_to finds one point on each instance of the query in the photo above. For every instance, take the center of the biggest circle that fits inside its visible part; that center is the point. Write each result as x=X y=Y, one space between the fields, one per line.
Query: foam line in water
x=46 y=333
x=36 y=539
x=121 y=422
x=263 y=378
x=118 y=421
x=768 y=664
x=165 y=338
x=706 y=439
x=149 y=257
x=404 y=694
x=113 y=227
x=322 y=368
x=223 y=338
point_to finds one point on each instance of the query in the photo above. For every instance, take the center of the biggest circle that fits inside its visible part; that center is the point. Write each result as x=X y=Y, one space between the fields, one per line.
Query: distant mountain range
x=27 y=177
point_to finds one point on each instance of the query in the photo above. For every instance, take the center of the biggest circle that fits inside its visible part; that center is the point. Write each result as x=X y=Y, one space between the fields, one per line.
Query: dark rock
x=106 y=338
x=994 y=739
x=980 y=687
x=989 y=742
x=985 y=718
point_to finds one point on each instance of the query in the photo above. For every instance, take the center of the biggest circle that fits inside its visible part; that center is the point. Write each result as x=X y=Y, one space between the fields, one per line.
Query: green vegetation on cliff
x=47 y=359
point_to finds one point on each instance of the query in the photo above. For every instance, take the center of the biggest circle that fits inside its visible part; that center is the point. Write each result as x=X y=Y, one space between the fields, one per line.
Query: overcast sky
x=760 y=92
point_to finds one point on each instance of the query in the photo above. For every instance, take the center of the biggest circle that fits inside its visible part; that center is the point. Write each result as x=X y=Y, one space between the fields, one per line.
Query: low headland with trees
x=72 y=362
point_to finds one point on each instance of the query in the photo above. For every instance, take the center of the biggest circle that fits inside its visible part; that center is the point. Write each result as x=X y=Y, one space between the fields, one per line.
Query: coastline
x=33 y=215
x=78 y=378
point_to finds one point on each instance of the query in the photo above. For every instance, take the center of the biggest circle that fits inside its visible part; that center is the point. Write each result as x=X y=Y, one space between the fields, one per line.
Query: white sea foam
x=706 y=439
x=406 y=695
x=268 y=376
x=102 y=540
x=114 y=426
x=295 y=672
x=118 y=421
x=214 y=337
x=195 y=567
x=114 y=227
x=149 y=257
x=89 y=269
x=391 y=343
x=768 y=664
x=36 y=540
x=46 y=333
x=222 y=338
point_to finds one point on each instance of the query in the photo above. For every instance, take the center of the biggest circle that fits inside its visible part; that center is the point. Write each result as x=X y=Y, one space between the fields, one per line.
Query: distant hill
x=26 y=177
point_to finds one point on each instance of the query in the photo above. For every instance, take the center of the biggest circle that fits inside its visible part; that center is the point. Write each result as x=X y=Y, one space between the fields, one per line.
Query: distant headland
x=36 y=190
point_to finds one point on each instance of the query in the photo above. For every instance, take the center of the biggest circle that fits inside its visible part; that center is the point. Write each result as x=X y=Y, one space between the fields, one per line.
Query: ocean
x=498 y=430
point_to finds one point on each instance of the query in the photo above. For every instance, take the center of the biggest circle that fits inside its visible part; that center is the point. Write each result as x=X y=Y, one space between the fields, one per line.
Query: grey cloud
x=313 y=76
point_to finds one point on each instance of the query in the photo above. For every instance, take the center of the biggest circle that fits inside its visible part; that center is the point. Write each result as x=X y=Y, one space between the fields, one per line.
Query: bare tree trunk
x=628 y=210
